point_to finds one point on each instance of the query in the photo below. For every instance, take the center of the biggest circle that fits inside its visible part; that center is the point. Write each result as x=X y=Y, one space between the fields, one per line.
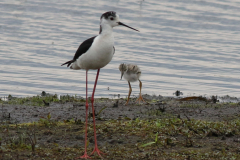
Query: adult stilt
x=95 y=53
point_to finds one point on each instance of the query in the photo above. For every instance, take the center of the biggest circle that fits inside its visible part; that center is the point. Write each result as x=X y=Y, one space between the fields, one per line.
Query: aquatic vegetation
x=42 y=100
x=127 y=139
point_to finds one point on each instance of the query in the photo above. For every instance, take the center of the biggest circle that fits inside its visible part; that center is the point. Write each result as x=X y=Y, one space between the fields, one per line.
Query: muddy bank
x=162 y=128
x=156 y=107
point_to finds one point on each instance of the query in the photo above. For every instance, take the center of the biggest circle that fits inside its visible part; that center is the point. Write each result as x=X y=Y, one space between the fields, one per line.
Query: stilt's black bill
x=121 y=75
x=120 y=23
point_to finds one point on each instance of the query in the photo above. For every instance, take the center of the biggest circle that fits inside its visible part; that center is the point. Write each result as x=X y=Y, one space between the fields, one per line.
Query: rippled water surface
x=191 y=46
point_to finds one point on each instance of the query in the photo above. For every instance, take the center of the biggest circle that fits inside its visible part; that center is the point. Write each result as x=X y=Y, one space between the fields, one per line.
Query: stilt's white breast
x=130 y=77
x=99 y=54
x=132 y=73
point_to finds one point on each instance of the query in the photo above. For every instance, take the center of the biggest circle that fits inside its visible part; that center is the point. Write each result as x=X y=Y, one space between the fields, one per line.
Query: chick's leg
x=140 y=98
x=129 y=93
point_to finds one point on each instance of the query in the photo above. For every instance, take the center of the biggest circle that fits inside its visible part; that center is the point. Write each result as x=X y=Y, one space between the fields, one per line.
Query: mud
x=122 y=130
x=116 y=109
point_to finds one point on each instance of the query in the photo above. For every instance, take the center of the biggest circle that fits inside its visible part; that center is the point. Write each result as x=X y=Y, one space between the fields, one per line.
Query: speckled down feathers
x=133 y=69
x=131 y=72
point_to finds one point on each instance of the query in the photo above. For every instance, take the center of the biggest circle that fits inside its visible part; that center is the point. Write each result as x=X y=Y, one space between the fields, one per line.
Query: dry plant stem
x=33 y=141
x=187 y=117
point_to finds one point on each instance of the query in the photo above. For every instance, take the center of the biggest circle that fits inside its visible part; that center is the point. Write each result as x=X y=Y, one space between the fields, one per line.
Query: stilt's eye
x=112 y=18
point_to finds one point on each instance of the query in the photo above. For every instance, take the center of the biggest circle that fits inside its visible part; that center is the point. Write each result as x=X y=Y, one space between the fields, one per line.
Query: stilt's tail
x=69 y=63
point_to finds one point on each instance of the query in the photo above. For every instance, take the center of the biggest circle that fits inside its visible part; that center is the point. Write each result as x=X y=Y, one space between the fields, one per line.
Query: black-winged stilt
x=131 y=73
x=95 y=53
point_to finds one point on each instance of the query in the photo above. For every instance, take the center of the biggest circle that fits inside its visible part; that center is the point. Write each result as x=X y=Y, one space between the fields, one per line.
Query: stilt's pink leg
x=85 y=152
x=95 y=135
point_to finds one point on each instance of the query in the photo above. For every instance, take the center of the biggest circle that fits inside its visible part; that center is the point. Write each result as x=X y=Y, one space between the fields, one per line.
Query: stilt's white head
x=112 y=19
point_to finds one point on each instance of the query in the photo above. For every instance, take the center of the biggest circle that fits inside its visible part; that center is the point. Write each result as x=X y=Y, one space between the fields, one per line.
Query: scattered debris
x=193 y=98
x=115 y=105
x=177 y=93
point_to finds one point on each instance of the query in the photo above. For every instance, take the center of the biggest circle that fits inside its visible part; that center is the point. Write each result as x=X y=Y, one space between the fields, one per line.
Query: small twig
x=2 y=113
x=200 y=110
x=33 y=140
x=45 y=103
x=162 y=109
x=187 y=117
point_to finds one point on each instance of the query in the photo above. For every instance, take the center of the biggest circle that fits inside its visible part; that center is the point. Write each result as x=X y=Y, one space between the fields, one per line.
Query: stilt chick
x=131 y=73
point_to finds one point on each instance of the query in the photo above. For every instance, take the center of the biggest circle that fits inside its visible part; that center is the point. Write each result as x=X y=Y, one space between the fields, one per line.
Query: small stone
x=79 y=137
x=112 y=141
x=120 y=141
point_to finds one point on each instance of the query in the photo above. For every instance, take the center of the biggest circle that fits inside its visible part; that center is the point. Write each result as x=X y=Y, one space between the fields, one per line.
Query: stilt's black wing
x=83 y=48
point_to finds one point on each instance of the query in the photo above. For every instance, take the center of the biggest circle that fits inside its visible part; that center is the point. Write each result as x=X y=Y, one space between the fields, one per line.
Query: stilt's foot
x=85 y=156
x=140 y=98
x=98 y=151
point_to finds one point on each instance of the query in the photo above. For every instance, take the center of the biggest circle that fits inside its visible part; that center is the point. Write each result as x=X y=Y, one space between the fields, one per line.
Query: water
x=191 y=46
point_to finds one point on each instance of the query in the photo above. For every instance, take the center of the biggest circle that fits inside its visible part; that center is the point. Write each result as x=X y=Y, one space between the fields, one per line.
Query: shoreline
x=31 y=109
x=165 y=127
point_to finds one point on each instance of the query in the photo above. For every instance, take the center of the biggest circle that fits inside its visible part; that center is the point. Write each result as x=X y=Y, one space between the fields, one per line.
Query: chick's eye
x=111 y=18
